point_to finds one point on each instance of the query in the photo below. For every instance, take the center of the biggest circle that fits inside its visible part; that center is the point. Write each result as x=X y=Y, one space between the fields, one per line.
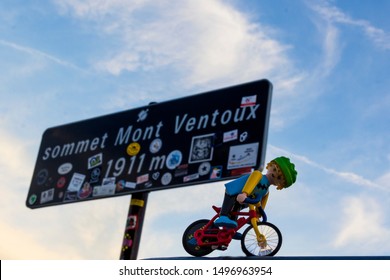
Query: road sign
x=202 y=138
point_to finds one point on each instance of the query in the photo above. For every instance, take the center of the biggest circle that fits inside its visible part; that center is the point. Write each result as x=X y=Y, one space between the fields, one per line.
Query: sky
x=68 y=60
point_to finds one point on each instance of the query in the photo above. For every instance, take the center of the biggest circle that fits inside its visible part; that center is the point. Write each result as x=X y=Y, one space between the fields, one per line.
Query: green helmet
x=288 y=170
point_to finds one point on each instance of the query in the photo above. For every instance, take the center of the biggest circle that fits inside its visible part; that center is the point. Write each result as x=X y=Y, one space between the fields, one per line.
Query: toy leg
x=227 y=205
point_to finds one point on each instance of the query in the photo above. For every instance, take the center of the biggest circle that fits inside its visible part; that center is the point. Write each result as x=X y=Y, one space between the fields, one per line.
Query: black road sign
x=206 y=137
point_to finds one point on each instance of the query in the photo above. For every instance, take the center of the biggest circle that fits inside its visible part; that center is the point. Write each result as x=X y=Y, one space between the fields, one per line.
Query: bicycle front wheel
x=251 y=247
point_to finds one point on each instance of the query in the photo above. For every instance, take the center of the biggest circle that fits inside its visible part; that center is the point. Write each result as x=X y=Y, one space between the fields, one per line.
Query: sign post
x=134 y=224
x=207 y=137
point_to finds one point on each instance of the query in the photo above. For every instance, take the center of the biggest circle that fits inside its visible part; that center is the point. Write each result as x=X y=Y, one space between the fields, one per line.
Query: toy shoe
x=224 y=221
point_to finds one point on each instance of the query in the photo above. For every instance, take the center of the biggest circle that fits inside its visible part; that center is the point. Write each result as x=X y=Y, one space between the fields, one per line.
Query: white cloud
x=347 y=176
x=204 y=41
x=98 y=8
x=37 y=53
x=204 y=44
x=362 y=227
x=331 y=45
x=332 y=14
x=226 y=45
x=332 y=49
x=384 y=180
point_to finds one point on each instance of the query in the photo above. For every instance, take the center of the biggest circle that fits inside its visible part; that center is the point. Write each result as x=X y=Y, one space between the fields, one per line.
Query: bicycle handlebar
x=251 y=200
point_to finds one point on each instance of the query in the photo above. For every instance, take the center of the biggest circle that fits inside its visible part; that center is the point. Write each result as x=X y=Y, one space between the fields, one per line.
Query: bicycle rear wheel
x=251 y=247
x=189 y=242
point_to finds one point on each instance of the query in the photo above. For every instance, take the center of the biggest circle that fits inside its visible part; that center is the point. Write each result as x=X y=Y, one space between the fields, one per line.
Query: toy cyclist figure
x=254 y=187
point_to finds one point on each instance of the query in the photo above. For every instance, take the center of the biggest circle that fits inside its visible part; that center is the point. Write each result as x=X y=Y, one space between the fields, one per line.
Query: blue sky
x=69 y=60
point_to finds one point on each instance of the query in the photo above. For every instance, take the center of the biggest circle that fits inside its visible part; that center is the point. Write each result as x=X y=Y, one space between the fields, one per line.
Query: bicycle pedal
x=222 y=248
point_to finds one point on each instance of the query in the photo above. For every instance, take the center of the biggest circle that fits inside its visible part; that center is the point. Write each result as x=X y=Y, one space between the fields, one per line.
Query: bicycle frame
x=220 y=237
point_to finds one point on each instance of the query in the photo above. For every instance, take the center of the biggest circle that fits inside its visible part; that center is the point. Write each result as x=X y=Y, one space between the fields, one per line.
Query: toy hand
x=241 y=197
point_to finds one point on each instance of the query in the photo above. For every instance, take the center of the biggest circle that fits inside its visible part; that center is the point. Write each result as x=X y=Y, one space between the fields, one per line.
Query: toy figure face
x=275 y=175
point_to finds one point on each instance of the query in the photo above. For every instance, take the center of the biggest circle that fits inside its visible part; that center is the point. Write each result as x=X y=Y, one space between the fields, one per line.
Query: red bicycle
x=260 y=238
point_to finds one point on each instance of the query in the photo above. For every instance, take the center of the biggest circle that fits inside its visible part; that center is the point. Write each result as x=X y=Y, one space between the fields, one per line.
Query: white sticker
x=191 y=177
x=202 y=148
x=155 y=146
x=242 y=155
x=95 y=160
x=243 y=136
x=248 y=101
x=103 y=190
x=65 y=168
x=230 y=135
x=142 y=115
x=110 y=181
x=130 y=185
x=142 y=179
x=47 y=196
x=76 y=182
x=204 y=168
x=166 y=178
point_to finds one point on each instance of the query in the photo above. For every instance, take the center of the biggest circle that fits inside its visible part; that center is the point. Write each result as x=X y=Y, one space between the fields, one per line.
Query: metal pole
x=134 y=223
